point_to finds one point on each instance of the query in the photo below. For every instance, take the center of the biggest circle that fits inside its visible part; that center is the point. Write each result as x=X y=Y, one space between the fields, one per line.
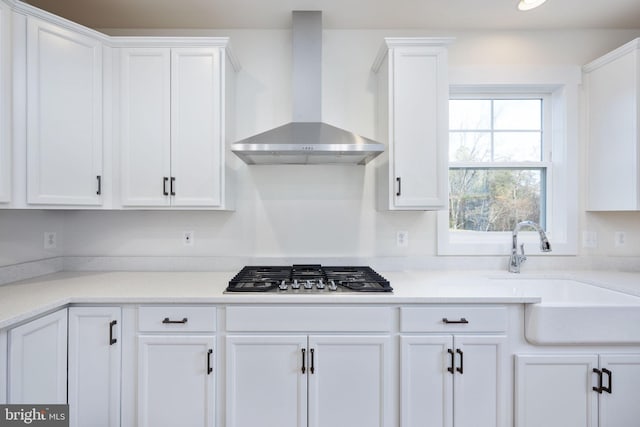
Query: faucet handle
x=523 y=257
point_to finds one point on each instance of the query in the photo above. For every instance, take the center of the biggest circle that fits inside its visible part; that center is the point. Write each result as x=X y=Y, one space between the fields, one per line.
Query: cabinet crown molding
x=394 y=42
x=612 y=56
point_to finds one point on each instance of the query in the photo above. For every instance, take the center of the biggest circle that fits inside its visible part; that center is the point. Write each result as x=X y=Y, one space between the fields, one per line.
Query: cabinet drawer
x=177 y=318
x=458 y=319
x=308 y=319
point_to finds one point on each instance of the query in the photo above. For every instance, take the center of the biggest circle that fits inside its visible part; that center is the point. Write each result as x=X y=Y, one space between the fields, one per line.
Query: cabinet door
x=613 y=91
x=266 y=383
x=94 y=366
x=64 y=116
x=3 y=367
x=479 y=389
x=556 y=391
x=145 y=127
x=619 y=407
x=5 y=103
x=349 y=381
x=426 y=386
x=196 y=147
x=176 y=381
x=419 y=128
x=38 y=360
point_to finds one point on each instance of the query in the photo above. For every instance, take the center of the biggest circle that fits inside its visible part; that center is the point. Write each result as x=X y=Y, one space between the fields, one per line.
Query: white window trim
x=562 y=84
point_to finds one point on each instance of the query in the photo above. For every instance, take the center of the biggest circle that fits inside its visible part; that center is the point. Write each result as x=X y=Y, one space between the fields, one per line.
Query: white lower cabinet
x=586 y=390
x=94 y=366
x=452 y=380
x=37 y=368
x=176 y=368
x=308 y=380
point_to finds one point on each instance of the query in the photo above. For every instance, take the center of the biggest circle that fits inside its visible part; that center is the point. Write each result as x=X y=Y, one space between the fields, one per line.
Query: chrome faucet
x=516 y=260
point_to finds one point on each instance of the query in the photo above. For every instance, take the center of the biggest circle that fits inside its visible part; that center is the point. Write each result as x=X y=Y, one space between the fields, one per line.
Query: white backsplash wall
x=324 y=211
x=22 y=235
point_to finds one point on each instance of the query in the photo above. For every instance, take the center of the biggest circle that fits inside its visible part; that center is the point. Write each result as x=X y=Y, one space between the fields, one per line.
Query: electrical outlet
x=50 y=241
x=402 y=239
x=589 y=239
x=187 y=238
x=619 y=239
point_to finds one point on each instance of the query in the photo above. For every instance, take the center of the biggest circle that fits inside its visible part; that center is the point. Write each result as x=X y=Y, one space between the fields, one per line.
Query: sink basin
x=576 y=313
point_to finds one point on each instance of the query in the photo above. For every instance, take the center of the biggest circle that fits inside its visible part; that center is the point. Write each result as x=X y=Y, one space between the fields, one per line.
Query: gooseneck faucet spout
x=516 y=259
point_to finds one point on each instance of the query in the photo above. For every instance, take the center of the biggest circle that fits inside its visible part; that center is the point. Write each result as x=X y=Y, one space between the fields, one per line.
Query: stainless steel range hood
x=307 y=140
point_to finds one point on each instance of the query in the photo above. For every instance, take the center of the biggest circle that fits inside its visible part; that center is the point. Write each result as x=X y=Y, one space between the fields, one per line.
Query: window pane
x=494 y=199
x=517 y=146
x=517 y=114
x=470 y=146
x=469 y=114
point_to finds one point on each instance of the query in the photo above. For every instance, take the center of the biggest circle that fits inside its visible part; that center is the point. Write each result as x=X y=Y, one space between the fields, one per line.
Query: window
x=498 y=162
x=512 y=157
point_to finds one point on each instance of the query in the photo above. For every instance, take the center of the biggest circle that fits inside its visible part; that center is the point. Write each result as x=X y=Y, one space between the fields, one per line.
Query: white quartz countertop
x=25 y=299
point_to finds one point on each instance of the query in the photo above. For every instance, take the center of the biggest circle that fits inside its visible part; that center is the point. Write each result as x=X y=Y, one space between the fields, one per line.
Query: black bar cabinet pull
x=112 y=340
x=609 y=375
x=172 y=186
x=167 y=320
x=461 y=368
x=599 y=388
x=99 y=178
x=164 y=186
x=304 y=367
x=312 y=368
x=399 y=181
x=447 y=321
x=453 y=361
x=209 y=368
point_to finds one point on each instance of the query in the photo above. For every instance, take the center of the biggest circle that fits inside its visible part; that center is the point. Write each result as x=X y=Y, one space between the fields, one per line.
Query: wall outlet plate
x=50 y=240
x=188 y=238
x=402 y=239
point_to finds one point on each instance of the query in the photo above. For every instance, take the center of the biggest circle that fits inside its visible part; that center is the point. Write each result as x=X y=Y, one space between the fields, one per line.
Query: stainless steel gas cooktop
x=308 y=278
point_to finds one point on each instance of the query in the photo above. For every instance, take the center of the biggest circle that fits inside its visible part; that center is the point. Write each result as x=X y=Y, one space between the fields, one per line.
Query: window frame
x=545 y=163
x=561 y=146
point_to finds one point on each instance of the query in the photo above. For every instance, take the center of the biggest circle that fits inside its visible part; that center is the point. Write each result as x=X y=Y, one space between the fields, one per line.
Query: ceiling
x=348 y=14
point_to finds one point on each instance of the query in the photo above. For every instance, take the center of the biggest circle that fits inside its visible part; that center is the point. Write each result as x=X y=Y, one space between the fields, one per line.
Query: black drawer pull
x=453 y=361
x=608 y=388
x=209 y=368
x=173 y=183
x=166 y=320
x=399 y=181
x=451 y=322
x=304 y=367
x=461 y=368
x=112 y=340
x=312 y=369
x=164 y=186
x=99 y=178
x=599 y=388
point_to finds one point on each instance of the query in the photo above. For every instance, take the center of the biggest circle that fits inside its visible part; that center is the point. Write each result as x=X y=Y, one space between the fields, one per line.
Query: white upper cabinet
x=64 y=116
x=172 y=103
x=5 y=103
x=613 y=95
x=412 y=118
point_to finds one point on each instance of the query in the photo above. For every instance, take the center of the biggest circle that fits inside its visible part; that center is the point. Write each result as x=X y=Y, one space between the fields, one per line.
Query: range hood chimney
x=307 y=140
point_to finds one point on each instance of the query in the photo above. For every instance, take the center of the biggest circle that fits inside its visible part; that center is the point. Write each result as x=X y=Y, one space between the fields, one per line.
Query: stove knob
x=320 y=284
x=283 y=286
x=308 y=284
x=295 y=284
x=332 y=285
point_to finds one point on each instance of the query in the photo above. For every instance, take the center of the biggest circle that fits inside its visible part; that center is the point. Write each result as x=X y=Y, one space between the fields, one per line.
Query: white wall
x=320 y=210
x=22 y=235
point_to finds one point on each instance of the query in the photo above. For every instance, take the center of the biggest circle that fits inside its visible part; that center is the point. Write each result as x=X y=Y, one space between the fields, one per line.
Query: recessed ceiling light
x=529 y=4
